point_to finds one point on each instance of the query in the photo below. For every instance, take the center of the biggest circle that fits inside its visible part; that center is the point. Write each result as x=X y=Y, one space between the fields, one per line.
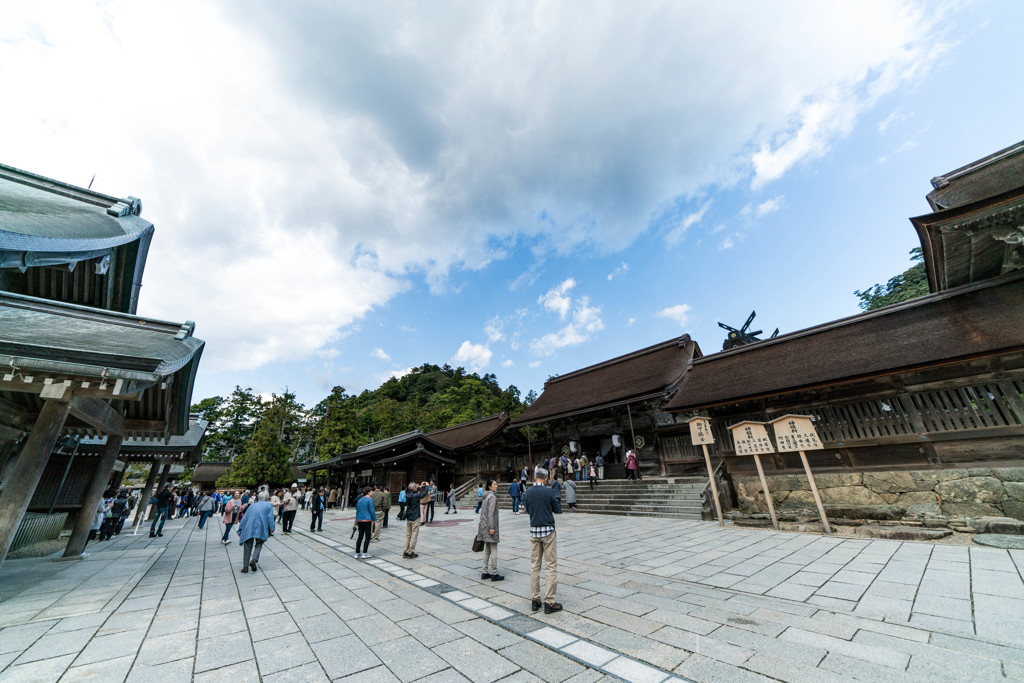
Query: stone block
x=970 y=490
x=889 y=482
x=850 y=495
x=798 y=499
x=839 y=479
x=788 y=482
x=1008 y=473
x=1013 y=508
x=864 y=511
x=927 y=480
x=1014 y=489
x=970 y=510
x=920 y=503
x=902 y=533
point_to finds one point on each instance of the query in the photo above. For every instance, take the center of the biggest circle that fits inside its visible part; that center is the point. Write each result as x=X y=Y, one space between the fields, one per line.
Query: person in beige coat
x=487 y=530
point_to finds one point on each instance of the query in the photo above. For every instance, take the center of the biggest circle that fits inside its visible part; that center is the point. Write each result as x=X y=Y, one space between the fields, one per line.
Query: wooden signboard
x=797 y=433
x=700 y=433
x=751 y=438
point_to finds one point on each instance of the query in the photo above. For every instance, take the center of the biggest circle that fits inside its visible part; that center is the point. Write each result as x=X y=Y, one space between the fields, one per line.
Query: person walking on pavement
x=541 y=504
x=387 y=505
x=256 y=527
x=514 y=492
x=164 y=500
x=332 y=499
x=424 y=501
x=430 y=502
x=205 y=507
x=414 y=509
x=366 y=516
x=377 y=496
x=479 y=498
x=450 y=500
x=289 y=507
x=316 y=523
x=487 y=530
x=401 y=504
x=570 y=493
x=231 y=513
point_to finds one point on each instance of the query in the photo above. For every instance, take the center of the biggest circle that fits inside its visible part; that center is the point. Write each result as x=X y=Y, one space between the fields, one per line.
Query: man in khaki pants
x=378 y=506
x=541 y=503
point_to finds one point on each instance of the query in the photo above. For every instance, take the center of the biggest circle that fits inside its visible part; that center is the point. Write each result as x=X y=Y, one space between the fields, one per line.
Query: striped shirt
x=541 y=531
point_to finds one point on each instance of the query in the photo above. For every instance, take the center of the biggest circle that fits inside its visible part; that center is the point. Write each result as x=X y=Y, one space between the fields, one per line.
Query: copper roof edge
x=680 y=341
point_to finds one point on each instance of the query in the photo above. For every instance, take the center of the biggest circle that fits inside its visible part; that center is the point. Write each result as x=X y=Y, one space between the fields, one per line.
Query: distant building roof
x=972 y=322
x=209 y=472
x=67 y=243
x=648 y=373
x=471 y=434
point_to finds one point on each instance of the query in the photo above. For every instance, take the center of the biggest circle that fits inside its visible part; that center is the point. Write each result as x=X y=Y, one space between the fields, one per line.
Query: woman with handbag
x=487 y=531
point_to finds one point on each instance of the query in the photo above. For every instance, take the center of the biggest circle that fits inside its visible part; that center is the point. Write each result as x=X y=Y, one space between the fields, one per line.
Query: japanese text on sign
x=796 y=433
x=751 y=438
x=700 y=431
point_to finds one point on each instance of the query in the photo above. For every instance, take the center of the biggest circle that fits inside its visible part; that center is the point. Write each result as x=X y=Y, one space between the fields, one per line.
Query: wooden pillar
x=28 y=469
x=147 y=491
x=93 y=495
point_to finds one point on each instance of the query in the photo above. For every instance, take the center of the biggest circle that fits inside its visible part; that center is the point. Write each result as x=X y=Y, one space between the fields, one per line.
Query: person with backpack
x=164 y=505
x=205 y=507
x=109 y=521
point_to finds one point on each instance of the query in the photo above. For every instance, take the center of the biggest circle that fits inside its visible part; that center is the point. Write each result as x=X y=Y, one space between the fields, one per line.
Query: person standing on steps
x=413 y=496
x=256 y=527
x=487 y=530
x=570 y=493
x=541 y=504
x=514 y=492
x=631 y=465
x=599 y=461
x=316 y=523
x=592 y=472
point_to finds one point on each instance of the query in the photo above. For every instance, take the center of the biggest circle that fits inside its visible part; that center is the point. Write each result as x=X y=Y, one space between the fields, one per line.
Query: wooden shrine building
x=601 y=409
x=919 y=405
x=75 y=361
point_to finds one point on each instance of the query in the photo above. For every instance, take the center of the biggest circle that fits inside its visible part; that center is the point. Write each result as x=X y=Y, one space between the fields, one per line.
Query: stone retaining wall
x=976 y=492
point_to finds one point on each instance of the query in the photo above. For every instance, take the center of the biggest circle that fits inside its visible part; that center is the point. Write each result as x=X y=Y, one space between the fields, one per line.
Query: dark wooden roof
x=648 y=373
x=389 y=450
x=210 y=472
x=982 y=179
x=185 y=447
x=145 y=366
x=975 y=321
x=70 y=244
x=471 y=434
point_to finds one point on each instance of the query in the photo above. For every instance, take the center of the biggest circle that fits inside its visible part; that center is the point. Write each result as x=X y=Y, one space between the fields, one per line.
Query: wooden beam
x=135 y=425
x=93 y=495
x=35 y=386
x=98 y=414
x=28 y=469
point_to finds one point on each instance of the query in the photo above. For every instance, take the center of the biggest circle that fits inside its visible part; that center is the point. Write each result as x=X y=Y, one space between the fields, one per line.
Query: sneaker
x=550 y=607
x=160 y=535
x=152 y=535
x=485 y=575
x=497 y=577
x=535 y=605
x=413 y=555
x=367 y=556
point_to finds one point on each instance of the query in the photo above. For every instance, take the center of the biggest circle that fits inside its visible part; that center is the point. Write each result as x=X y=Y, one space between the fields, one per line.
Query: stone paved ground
x=645 y=599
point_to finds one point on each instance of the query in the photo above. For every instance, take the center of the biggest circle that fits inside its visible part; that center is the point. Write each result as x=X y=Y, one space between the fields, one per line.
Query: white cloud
x=769 y=206
x=508 y=363
x=621 y=270
x=556 y=299
x=397 y=374
x=493 y=328
x=475 y=356
x=675 y=236
x=586 y=320
x=353 y=147
x=535 y=364
x=680 y=313
x=727 y=243
x=629 y=323
x=380 y=353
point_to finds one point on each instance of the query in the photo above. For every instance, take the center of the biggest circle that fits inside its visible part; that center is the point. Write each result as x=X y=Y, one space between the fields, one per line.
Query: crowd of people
x=255 y=516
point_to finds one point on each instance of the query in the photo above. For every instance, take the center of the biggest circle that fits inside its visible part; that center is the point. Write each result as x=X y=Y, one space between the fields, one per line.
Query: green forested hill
x=261 y=437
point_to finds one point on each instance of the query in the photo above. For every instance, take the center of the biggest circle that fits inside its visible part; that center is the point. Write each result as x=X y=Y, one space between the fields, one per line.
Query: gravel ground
x=40 y=549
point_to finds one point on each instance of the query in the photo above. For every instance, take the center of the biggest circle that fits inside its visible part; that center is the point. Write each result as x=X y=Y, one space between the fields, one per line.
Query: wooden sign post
x=751 y=438
x=700 y=432
x=796 y=433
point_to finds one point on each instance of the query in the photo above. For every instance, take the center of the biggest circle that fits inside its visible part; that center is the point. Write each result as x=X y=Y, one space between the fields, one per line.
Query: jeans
x=544 y=547
x=577 y=475
x=203 y=517
x=289 y=519
x=251 y=551
x=401 y=510
x=479 y=502
x=451 y=506
x=227 y=530
x=592 y=480
x=515 y=503
x=161 y=516
x=317 y=523
x=107 y=529
x=120 y=525
x=631 y=474
x=365 y=531
x=386 y=511
x=430 y=511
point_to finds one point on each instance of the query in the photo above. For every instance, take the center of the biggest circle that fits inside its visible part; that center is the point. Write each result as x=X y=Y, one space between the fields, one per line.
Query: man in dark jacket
x=412 y=519
x=319 y=504
x=164 y=499
x=541 y=503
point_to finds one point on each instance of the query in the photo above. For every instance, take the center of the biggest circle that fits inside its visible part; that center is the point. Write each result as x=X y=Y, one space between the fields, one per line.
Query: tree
x=231 y=422
x=267 y=453
x=909 y=284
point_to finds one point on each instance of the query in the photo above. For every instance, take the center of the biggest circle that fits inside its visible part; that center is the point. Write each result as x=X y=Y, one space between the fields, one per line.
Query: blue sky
x=342 y=192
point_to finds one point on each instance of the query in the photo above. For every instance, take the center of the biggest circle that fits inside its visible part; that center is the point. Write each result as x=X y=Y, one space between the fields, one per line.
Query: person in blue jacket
x=366 y=515
x=256 y=527
x=514 y=492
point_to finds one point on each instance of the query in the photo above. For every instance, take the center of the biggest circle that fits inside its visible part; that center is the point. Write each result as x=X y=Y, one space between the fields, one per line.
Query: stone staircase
x=670 y=497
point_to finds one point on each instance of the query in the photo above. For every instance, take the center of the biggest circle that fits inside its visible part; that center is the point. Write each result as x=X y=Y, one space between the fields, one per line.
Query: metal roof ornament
x=743 y=335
